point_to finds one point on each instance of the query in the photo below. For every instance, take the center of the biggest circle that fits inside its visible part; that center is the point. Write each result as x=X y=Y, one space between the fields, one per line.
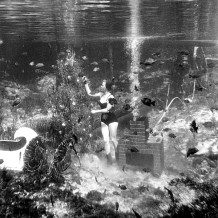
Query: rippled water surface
x=124 y=31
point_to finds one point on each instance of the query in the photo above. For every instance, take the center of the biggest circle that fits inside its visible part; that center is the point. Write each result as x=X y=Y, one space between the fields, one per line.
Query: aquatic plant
x=69 y=102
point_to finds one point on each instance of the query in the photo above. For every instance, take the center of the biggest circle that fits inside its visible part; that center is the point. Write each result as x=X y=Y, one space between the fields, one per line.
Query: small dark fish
x=194 y=128
x=199 y=88
x=174 y=182
x=123 y=168
x=135 y=133
x=214 y=108
x=172 y=135
x=194 y=76
x=117 y=206
x=192 y=151
x=148 y=101
x=126 y=107
x=184 y=52
x=165 y=119
x=133 y=149
x=166 y=129
x=96 y=180
x=211 y=65
x=136 y=214
x=52 y=199
x=187 y=101
x=136 y=88
x=1 y=161
x=123 y=187
x=143 y=188
x=79 y=119
x=170 y=194
x=208 y=124
x=146 y=170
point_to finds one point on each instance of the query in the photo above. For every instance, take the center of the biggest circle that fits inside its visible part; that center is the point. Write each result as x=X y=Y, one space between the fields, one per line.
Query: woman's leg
x=113 y=136
x=105 y=134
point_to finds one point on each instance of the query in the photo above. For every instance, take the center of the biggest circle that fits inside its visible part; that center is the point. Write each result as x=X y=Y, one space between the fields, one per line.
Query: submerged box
x=139 y=150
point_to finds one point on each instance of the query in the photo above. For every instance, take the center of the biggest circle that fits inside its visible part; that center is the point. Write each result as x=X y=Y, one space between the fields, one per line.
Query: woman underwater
x=109 y=122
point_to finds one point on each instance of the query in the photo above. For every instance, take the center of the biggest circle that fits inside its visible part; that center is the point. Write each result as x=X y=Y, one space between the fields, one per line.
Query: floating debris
x=194 y=128
x=96 y=69
x=148 y=101
x=192 y=151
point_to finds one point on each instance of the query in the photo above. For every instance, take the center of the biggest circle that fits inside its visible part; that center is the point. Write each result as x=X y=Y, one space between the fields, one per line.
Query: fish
x=105 y=60
x=126 y=107
x=52 y=199
x=40 y=65
x=148 y=62
x=184 y=52
x=16 y=102
x=166 y=129
x=137 y=215
x=156 y=54
x=116 y=206
x=165 y=119
x=16 y=63
x=148 y=101
x=136 y=88
x=172 y=135
x=123 y=187
x=1 y=42
x=84 y=58
x=31 y=63
x=146 y=170
x=211 y=65
x=133 y=149
x=94 y=63
x=208 y=124
x=123 y=168
x=194 y=128
x=96 y=69
x=191 y=151
x=174 y=182
x=24 y=53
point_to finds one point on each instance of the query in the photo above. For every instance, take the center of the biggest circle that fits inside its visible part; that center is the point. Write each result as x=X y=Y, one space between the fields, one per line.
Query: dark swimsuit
x=109 y=117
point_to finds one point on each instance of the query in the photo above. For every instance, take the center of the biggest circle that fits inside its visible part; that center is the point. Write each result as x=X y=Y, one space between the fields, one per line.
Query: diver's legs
x=113 y=136
x=105 y=134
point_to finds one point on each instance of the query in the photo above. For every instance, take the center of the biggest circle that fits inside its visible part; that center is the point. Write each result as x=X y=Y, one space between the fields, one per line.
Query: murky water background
x=124 y=32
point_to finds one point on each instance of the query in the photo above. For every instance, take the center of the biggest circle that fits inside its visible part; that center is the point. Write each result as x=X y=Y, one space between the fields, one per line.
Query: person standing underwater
x=109 y=122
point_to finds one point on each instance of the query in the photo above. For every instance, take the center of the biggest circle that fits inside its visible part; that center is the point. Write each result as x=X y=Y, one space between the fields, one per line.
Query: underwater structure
x=140 y=150
x=12 y=151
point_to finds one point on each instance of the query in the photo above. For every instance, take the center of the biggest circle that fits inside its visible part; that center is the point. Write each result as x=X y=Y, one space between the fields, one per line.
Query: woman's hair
x=108 y=84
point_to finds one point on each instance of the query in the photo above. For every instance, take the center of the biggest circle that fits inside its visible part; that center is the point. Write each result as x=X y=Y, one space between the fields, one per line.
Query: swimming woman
x=109 y=122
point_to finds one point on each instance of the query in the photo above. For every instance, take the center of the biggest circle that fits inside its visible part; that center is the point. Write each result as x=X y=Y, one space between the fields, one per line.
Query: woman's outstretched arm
x=88 y=89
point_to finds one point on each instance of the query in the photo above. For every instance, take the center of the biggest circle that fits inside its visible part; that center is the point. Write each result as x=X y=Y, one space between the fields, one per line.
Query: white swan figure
x=12 y=151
